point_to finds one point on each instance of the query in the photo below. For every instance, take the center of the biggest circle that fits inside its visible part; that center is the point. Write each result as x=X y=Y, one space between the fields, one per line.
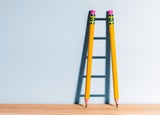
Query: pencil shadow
x=83 y=62
x=82 y=66
x=107 y=64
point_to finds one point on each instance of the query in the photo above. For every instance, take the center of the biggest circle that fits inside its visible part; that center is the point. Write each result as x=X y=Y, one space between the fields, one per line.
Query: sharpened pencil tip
x=86 y=106
x=117 y=106
x=116 y=102
x=86 y=103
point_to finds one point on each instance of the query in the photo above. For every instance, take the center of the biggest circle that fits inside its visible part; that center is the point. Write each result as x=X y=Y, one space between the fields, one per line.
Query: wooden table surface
x=66 y=109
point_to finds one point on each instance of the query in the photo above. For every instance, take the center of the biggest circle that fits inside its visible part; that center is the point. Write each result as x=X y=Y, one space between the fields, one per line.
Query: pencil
x=90 y=51
x=113 y=55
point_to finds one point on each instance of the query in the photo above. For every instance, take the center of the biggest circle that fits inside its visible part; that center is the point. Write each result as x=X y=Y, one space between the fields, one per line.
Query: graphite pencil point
x=117 y=106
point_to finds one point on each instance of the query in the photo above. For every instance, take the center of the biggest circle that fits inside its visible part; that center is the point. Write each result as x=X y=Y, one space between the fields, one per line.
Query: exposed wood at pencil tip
x=116 y=106
x=86 y=106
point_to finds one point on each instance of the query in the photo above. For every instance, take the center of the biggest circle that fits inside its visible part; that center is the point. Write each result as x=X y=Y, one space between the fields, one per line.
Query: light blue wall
x=41 y=44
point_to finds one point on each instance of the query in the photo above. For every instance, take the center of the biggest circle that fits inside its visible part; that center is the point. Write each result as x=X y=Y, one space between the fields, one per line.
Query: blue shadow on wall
x=83 y=62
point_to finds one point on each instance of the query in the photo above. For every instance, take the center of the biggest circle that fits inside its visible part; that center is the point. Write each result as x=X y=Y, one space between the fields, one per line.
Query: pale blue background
x=41 y=44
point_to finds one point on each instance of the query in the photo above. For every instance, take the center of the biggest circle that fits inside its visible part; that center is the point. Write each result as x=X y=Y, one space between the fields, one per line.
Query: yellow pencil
x=89 y=61
x=113 y=54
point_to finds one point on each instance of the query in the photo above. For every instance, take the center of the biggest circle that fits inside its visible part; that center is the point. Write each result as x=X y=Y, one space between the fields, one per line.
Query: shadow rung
x=99 y=38
x=100 y=19
x=95 y=95
x=98 y=57
x=96 y=76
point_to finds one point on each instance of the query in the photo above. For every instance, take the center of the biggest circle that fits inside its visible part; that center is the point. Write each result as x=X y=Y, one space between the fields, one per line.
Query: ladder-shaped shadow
x=83 y=62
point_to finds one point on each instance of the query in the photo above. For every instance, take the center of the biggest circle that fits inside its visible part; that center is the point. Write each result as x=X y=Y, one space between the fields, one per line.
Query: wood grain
x=66 y=109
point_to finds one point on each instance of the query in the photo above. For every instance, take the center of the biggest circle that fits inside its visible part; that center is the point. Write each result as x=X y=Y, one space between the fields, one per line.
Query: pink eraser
x=110 y=12
x=93 y=12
